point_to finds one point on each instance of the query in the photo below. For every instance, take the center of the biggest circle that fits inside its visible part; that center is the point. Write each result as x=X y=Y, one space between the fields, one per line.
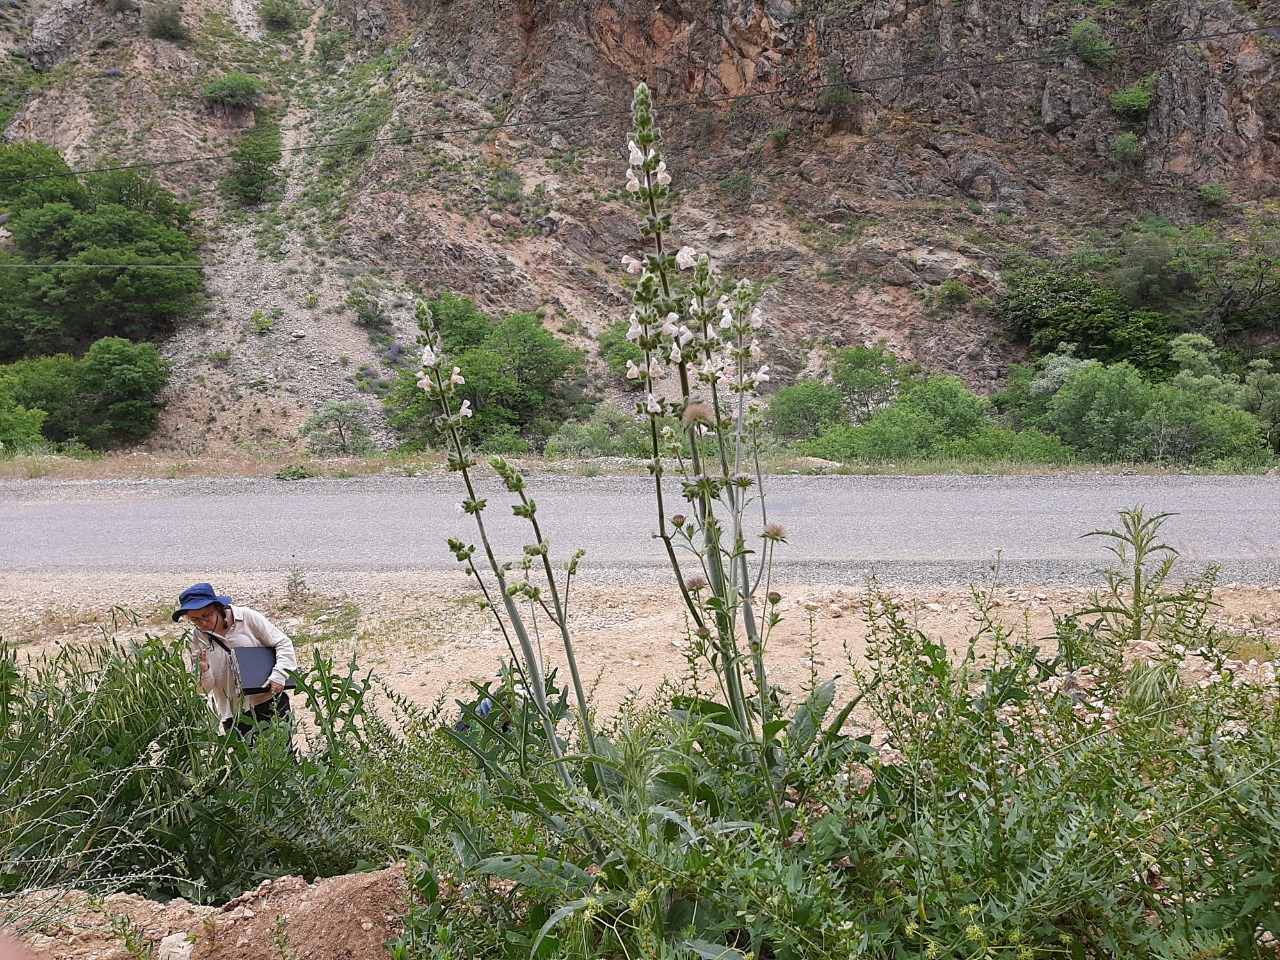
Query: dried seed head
x=699 y=414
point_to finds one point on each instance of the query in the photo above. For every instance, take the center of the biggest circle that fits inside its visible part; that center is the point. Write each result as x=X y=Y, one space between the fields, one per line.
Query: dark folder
x=256 y=664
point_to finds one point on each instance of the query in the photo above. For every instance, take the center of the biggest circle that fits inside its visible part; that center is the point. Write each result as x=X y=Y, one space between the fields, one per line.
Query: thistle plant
x=700 y=332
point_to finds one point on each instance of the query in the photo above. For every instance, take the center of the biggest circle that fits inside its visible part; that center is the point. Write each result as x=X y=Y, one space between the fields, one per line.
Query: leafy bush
x=336 y=428
x=1089 y=44
x=803 y=411
x=1134 y=101
x=1213 y=194
x=521 y=380
x=1126 y=149
x=618 y=353
x=164 y=22
x=106 y=399
x=279 y=15
x=234 y=89
x=19 y=426
x=608 y=432
x=253 y=175
x=1053 y=308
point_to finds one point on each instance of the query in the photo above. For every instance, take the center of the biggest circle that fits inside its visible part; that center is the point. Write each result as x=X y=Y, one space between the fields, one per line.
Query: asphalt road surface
x=910 y=530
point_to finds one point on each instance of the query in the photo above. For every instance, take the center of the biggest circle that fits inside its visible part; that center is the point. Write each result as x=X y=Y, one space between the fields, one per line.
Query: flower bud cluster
x=438 y=378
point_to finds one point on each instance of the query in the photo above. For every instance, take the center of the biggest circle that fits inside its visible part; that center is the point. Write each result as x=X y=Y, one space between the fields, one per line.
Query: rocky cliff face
x=860 y=152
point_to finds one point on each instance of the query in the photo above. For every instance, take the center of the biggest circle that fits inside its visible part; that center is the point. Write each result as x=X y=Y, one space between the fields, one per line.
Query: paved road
x=909 y=529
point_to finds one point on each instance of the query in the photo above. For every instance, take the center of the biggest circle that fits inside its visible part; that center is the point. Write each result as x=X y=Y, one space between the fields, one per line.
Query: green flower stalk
x=705 y=332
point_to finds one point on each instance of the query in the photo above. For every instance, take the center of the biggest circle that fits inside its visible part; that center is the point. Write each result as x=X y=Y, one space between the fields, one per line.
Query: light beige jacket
x=248 y=628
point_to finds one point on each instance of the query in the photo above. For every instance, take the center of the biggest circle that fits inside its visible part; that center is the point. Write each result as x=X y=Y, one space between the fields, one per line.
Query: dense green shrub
x=254 y=172
x=279 y=15
x=803 y=411
x=1126 y=149
x=1052 y=308
x=19 y=425
x=521 y=381
x=234 y=89
x=617 y=352
x=32 y=175
x=1213 y=194
x=105 y=399
x=164 y=22
x=607 y=432
x=1089 y=44
x=1134 y=101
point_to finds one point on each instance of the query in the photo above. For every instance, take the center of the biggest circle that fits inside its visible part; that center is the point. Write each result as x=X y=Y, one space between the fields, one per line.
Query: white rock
x=176 y=946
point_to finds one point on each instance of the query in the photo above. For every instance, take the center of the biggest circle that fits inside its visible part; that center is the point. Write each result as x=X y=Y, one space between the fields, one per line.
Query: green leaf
x=712 y=951
x=567 y=910
x=539 y=872
x=803 y=729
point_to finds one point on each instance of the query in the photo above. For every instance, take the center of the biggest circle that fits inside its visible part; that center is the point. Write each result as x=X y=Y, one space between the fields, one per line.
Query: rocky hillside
x=859 y=153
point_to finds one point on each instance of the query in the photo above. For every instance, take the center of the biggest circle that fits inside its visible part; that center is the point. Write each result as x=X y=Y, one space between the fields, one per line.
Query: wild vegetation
x=112 y=265
x=1068 y=796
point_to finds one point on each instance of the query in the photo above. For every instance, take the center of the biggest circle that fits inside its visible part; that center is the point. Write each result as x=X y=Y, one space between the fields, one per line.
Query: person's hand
x=276 y=686
x=204 y=661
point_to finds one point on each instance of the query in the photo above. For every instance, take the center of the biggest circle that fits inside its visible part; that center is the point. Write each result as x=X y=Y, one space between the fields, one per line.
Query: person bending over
x=221 y=626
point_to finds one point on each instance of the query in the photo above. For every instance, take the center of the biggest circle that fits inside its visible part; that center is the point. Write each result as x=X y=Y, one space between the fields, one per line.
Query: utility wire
x=998 y=63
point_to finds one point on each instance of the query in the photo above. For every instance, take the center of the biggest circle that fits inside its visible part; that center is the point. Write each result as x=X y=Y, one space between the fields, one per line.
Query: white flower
x=762 y=375
x=465 y=409
x=685 y=335
x=664 y=178
x=755 y=345
x=462 y=511
x=456 y=377
x=687 y=258
x=637 y=157
x=633 y=182
x=676 y=355
x=631 y=263
x=654 y=405
x=669 y=328
x=655 y=370
x=757 y=319
x=727 y=320
x=723 y=302
x=633 y=372
x=635 y=330
x=426 y=384
x=428 y=356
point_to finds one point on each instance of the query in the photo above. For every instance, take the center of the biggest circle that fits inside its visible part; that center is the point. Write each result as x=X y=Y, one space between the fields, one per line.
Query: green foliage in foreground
x=522 y=382
x=1040 y=799
x=105 y=399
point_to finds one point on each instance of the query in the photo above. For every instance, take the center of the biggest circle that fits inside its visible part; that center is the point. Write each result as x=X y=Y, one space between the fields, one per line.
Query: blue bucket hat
x=196 y=598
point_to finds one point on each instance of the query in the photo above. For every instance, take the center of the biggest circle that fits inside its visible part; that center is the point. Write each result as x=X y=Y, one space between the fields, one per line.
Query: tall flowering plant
x=440 y=380
x=699 y=335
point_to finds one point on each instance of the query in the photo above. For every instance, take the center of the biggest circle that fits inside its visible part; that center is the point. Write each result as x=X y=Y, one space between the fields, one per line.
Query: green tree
x=139 y=192
x=254 y=172
x=51 y=385
x=521 y=382
x=1099 y=411
x=336 y=428
x=32 y=175
x=19 y=426
x=118 y=385
x=803 y=411
x=1053 y=308
x=868 y=378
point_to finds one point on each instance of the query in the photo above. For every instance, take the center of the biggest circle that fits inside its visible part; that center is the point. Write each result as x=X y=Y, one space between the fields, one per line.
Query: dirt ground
x=428 y=638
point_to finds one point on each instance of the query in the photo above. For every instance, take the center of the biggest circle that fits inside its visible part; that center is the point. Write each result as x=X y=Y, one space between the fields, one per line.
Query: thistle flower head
x=775 y=531
x=697 y=414
x=694 y=584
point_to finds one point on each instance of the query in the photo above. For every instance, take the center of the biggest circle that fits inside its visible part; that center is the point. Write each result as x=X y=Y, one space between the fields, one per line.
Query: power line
x=998 y=63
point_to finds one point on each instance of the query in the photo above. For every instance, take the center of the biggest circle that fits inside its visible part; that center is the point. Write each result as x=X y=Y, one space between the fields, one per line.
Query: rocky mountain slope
x=857 y=153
